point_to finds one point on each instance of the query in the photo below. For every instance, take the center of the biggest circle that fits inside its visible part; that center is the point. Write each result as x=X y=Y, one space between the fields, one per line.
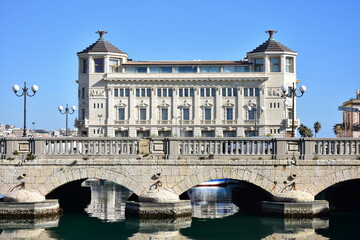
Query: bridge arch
x=334 y=178
x=67 y=176
x=238 y=174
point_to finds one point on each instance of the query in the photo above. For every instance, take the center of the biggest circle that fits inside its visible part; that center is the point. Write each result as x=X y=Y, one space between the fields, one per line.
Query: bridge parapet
x=179 y=148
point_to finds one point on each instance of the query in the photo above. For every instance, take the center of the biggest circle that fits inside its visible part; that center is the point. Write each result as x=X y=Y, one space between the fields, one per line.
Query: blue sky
x=40 y=39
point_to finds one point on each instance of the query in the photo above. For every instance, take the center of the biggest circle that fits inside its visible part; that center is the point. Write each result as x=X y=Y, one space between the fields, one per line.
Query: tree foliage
x=338 y=128
x=305 y=131
x=317 y=127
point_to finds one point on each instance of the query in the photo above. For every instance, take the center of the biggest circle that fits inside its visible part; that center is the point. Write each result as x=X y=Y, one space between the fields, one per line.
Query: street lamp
x=254 y=107
x=25 y=93
x=292 y=94
x=66 y=112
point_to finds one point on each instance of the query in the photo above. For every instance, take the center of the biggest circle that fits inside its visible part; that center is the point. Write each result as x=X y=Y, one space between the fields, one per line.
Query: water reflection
x=212 y=202
x=107 y=200
x=27 y=228
x=156 y=229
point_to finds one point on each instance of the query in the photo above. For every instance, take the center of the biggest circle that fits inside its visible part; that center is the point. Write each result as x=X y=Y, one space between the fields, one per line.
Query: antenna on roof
x=271 y=32
x=101 y=33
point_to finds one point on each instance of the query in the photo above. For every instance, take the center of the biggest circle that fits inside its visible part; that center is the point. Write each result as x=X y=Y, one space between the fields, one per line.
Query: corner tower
x=97 y=61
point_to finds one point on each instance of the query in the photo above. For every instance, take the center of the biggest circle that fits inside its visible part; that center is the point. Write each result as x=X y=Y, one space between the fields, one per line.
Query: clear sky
x=40 y=39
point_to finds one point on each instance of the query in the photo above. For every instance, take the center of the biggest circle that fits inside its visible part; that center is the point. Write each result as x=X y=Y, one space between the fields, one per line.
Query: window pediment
x=120 y=104
x=228 y=104
x=207 y=104
x=142 y=105
x=185 y=105
x=163 y=105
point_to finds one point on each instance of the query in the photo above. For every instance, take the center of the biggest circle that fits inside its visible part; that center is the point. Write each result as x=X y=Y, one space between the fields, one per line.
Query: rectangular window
x=251 y=92
x=186 y=69
x=142 y=69
x=257 y=92
x=191 y=92
x=186 y=114
x=164 y=114
x=166 y=69
x=229 y=92
x=99 y=65
x=85 y=65
x=159 y=92
x=289 y=64
x=275 y=64
x=252 y=114
x=229 y=113
x=130 y=69
x=143 y=92
x=127 y=90
x=116 y=92
x=138 y=92
x=121 y=92
x=234 y=92
x=181 y=92
x=213 y=92
x=259 y=65
x=83 y=93
x=236 y=69
x=82 y=114
x=170 y=92
x=207 y=69
x=186 y=92
x=207 y=92
x=113 y=65
x=148 y=92
x=202 y=92
x=121 y=114
x=207 y=113
x=246 y=92
x=142 y=113
x=155 y=70
x=224 y=92
x=164 y=92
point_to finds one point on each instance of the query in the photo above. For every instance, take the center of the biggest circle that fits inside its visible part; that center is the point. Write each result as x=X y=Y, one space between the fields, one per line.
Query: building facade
x=119 y=97
x=351 y=118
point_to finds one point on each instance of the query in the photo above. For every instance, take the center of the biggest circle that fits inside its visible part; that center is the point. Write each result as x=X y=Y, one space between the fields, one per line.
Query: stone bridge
x=178 y=164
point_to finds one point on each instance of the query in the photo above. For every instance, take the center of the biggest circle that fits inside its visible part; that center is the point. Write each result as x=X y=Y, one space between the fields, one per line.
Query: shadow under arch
x=62 y=178
x=242 y=175
x=334 y=178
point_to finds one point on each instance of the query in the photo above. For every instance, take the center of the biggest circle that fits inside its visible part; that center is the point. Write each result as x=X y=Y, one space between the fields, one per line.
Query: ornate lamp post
x=25 y=93
x=292 y=94
x=261 y=109
x=66 y=112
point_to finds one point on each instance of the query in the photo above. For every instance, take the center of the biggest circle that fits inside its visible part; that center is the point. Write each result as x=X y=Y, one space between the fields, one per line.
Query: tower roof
x=271 y=45
x=101 y=45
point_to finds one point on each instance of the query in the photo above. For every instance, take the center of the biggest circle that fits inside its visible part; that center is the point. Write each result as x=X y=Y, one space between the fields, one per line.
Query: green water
x=215 y=216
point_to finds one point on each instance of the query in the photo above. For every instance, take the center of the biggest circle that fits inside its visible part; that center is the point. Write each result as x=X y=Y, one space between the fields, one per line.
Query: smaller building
x=351 y=117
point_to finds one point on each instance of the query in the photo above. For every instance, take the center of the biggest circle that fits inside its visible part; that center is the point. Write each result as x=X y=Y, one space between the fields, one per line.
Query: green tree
x=338 y=128
x=317 y=127
x=305 y=131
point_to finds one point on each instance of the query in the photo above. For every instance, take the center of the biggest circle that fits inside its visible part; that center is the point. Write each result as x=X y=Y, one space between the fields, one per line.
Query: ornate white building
x=121 y=97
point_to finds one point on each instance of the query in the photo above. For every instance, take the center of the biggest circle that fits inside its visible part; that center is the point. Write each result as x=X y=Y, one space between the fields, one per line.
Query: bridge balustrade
x=255 y=147
x=81 y=146
x=227 y=146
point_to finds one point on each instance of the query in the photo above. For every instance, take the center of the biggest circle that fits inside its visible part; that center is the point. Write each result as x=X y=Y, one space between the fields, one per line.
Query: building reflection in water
x=212 y=202
x=107 y=200
x=15 y=229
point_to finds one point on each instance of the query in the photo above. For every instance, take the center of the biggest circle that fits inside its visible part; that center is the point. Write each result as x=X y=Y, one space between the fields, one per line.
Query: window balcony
x=164 y=122
x=186 y=122
x=143 y=122
x=207 y=121
x=121 y=122
x=229 y=122
x=288 y=123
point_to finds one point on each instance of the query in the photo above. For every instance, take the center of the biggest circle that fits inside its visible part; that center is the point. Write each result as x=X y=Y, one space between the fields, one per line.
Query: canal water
x=215 y=216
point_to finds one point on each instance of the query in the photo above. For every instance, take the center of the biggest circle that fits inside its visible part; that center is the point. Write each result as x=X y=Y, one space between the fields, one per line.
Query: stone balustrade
x=173 y=148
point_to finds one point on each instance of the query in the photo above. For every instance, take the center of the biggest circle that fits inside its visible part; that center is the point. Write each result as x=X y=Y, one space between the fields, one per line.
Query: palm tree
x=338 y=128
x=305 y=131
x=317 y=127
